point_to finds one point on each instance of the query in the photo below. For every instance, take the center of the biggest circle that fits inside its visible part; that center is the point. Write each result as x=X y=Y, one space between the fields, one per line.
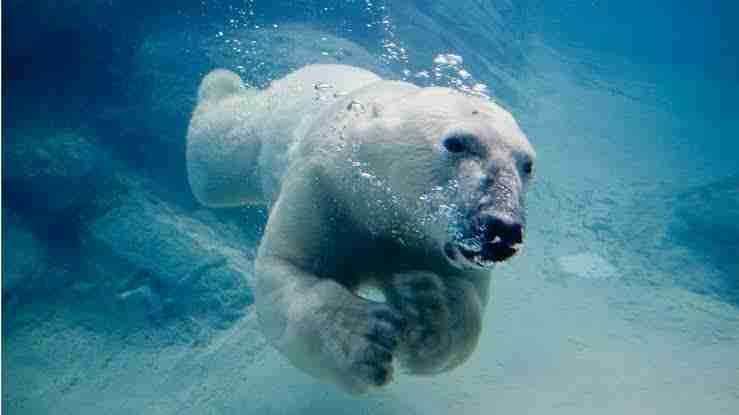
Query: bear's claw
x=371 y=348
x=421 y=298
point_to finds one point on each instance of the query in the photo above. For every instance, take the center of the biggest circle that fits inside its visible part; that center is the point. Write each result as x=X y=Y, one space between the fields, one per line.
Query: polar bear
x=369 y=182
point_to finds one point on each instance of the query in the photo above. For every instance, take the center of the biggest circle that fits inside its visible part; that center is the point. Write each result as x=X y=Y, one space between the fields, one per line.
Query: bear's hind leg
x=223 y=143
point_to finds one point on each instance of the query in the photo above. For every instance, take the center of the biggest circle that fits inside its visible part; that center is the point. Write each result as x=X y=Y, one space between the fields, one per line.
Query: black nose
x=508 y=229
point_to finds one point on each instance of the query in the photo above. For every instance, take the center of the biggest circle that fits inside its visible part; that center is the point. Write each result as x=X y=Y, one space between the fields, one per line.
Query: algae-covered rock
x=706 y=220
x=25 y=257
x=155 y=261
x=51 y=170
x=711 y=212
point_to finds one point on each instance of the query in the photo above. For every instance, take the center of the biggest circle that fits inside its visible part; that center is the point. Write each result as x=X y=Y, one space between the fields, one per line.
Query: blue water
x=626 y=298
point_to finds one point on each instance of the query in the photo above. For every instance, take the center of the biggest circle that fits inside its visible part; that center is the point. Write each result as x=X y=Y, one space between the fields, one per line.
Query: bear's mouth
x=491 y=237
x=479 y=254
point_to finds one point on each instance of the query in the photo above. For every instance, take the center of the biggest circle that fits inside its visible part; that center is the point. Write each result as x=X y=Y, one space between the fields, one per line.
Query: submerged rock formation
x=706 y=220
x=51 y=170
x=25 y=257
x=155 y=260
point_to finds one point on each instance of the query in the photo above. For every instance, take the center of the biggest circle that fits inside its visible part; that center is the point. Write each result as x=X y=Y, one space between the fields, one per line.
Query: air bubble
x=481 y=88
x=321 y=86
x=471 y=244
x=448 y=59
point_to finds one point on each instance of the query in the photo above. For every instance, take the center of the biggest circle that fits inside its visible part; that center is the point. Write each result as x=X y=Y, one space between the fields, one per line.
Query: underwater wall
x=121 y=294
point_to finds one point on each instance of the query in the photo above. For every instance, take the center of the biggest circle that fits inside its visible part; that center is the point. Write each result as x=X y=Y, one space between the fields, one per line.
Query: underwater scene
x=375 y=207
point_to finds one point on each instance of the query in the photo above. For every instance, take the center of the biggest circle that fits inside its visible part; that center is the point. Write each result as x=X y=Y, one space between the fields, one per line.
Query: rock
x=711 y=213
x=51 y=171
x=706 y=220
x=153 y=260
x=25 y=257
x=167 y=67
x=47 y=17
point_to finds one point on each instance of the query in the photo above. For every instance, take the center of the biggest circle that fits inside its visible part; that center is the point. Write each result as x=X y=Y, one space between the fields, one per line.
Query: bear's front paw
x=422 y=300
x=373 y=336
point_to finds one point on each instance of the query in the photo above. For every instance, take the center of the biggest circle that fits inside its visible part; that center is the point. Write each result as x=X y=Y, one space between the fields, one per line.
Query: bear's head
x=454 y=168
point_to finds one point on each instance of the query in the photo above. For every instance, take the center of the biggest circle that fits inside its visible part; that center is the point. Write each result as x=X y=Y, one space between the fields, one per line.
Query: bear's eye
x=528 y=167
x=454 y=144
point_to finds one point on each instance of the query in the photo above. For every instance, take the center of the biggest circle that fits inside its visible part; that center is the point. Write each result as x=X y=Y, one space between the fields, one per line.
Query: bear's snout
x=495 y=227
x=492 y=237
x=500 y=235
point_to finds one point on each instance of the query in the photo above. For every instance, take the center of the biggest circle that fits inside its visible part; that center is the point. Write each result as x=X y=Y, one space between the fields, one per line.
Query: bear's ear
x=219 y=84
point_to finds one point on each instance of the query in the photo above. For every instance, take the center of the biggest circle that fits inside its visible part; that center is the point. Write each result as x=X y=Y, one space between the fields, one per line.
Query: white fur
x=361 y=190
